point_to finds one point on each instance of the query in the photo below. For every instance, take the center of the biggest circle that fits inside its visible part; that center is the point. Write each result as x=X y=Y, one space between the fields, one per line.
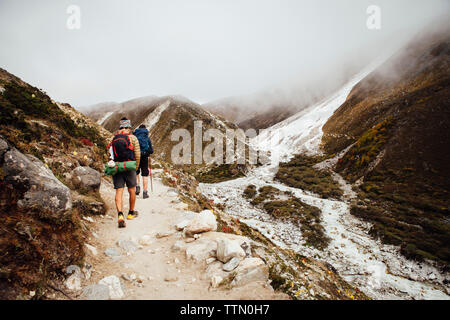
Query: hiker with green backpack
x=146 y=150
x=125 y=155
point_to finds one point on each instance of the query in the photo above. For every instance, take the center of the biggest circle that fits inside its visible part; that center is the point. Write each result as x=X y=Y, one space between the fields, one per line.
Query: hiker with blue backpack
x=146 y=150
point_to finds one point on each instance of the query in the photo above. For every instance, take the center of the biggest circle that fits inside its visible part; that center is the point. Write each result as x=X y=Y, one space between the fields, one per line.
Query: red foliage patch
x=86 y=142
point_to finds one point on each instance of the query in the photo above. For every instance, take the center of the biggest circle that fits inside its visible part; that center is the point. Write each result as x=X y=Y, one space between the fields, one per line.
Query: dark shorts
x=122 y=178
x=143 y=166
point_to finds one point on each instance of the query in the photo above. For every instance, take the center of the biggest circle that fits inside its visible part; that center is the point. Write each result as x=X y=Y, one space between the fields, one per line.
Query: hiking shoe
x=138 y=190
x=145 y=195
x=121 y=221
x=132 y=215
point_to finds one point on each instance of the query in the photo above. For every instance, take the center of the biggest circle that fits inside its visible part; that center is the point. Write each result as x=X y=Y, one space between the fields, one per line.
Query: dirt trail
x=156 y=261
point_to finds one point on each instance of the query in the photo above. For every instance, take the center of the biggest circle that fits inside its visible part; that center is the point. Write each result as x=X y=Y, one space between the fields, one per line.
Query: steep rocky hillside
x=50 y=156
x=396 y=124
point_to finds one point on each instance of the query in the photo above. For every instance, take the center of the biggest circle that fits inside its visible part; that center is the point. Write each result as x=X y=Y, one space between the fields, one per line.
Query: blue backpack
x=144 y=140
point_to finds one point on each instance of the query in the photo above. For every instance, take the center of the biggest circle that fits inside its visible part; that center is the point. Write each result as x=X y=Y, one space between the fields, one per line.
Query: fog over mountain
x=203 y=50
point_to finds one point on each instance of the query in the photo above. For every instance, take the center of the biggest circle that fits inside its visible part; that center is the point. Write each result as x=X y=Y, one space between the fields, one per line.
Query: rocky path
x=149 y=259
x=378 y=270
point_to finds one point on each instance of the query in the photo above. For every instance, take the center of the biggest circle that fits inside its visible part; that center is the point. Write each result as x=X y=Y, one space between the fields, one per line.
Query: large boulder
x=228 y=249
x=38 y=187
x=85 y=178
x=201 y=250
x=203 y=222
x=3 y=147
x=250 y=270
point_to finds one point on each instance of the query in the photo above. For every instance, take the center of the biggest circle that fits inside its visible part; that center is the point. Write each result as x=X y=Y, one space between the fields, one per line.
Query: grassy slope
x=34 y=249
x=399 y=118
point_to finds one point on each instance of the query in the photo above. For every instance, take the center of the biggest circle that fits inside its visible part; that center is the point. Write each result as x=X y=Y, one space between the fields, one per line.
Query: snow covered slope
x=303 y=131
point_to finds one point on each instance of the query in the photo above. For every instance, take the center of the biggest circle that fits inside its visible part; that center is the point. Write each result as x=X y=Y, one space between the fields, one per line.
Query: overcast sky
x=204 y=50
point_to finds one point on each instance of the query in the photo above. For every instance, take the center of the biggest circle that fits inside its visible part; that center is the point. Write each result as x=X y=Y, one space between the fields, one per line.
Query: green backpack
x=120 y=167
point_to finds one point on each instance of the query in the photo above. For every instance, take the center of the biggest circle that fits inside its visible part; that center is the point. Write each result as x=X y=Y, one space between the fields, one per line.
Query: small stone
x=177 y=260
x=111 y=252
x=145 y=240
x=73 y=282
x=189 y=240
x=216 y=281
x=232 y=264
x=32 y=293
x=210 y=260
x=73 y=269
x=88 y=219
x=196 y=236
x=92 y=249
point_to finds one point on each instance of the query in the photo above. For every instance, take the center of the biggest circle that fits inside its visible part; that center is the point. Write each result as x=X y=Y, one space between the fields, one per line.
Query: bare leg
x=132 y=192
x=138 y=180
x=119 y=202
x=145 y=182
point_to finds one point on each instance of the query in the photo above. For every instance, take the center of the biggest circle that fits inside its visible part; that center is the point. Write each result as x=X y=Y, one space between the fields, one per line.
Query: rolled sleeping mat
x=120 y=167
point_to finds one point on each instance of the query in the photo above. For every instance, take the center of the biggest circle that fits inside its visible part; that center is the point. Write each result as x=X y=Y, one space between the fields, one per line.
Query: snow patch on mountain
x=105 y=117
x=302 y=133
x=154 y=117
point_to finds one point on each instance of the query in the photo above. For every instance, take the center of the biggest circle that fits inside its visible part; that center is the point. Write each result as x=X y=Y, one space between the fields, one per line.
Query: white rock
x=73 y=282
x=216 y=281
x=88 y=219
x=145 y=240
x=232 y=264
x=32 y=293
x=178 y=245
x=182 y=224
x=201 y=250
x=210 y=260
x=92 y=249
x=228 y=249
x=114 y=285
x=203 y=222
x=164 y=234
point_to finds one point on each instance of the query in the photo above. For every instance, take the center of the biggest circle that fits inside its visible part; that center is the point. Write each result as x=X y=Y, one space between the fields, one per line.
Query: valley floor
x=378 y=270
